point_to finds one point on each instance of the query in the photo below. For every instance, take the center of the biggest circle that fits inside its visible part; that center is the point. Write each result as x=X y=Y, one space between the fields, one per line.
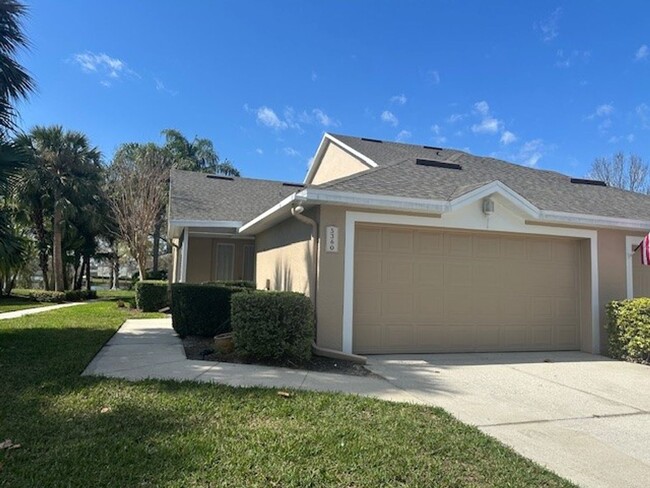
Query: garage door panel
x=433 y=290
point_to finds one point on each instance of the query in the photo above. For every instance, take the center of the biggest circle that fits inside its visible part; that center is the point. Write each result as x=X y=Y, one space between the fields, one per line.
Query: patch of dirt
x=204 y=349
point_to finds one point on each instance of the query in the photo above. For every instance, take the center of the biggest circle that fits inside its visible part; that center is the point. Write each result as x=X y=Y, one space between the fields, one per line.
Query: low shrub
x=202 y=310
x=629 y=329
x=79 y=295
x=44 y=296
x=151 y=296
x=273 y=326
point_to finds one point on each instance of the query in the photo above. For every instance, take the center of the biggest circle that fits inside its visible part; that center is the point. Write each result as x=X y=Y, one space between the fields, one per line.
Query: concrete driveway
x=585 y=417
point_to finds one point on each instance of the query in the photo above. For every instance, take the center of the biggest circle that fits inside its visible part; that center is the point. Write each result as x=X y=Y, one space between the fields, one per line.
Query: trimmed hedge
x=249 y=285
x=40 y=295
x=629 y=329
x=151 y=295
x=275 y=326
x=79 y=295
x=46 y=296
x=202 y=310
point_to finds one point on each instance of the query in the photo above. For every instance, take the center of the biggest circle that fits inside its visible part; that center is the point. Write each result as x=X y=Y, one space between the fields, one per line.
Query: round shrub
x=273 y=326
x=151 y=296
x=629 y=329
x=202 y=310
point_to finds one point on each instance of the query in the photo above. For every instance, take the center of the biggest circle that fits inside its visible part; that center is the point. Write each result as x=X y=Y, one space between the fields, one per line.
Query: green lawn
x=116 y=294
x=78 y=431
x=9 y=304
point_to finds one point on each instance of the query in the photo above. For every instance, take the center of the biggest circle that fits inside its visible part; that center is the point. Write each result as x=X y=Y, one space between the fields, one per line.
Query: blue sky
x=547 y=84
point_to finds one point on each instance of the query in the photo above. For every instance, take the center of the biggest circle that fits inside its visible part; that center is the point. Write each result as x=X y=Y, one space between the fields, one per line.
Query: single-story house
x=406 y=248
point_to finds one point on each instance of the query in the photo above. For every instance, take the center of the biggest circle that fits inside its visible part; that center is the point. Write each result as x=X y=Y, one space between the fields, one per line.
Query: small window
x=248 y=272
x=225 y=262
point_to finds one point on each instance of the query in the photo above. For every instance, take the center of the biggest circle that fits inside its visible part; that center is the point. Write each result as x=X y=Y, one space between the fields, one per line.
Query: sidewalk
x=149 y=348
x=30 y=311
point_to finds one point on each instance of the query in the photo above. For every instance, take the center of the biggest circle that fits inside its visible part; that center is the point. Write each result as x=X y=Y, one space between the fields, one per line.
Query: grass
x=125 y=295
x=82 y=431
x=11 y=303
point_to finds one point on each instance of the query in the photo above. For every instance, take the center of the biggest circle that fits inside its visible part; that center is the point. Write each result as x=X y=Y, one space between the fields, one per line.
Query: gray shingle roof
x=398 y=174
x=195 y=196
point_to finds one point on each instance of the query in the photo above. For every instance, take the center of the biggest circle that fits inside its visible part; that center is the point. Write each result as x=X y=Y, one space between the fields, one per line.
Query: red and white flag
x=645 y=250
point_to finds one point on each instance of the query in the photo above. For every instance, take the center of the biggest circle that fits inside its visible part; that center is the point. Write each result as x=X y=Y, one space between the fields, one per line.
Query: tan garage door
x=430 y=290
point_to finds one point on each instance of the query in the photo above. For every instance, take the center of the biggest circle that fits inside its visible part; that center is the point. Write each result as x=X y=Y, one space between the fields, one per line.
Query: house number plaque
x=332 y=238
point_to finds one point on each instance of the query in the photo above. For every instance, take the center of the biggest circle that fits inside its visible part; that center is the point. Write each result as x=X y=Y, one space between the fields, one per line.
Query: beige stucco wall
x=337 y=163
x=201 y=258
x=284 y=256
x=284 y=249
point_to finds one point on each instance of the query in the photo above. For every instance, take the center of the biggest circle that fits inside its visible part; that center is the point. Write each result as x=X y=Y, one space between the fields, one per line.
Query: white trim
x=270 y=212
x=423 y=205
x=328 y=138
x=352 y=218
x=184 y=253
x=207 y=223
x=629 y=263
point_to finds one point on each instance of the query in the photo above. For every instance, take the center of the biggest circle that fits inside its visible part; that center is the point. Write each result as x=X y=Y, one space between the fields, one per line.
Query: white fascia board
x=175 y=227
x=315 y=195
x=255 y=225
x=327 y=138
x=551 y=216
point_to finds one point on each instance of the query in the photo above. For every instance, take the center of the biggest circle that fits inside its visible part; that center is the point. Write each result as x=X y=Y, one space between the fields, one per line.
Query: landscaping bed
x=204 y=349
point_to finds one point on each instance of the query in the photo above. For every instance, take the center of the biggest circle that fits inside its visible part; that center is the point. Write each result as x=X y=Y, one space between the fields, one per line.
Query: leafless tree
x=137 y=192
x=630 y=173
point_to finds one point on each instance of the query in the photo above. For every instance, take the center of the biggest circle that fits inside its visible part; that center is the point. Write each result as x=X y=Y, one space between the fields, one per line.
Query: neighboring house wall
x=284 y=256
x=337 y=163
x=202 y=258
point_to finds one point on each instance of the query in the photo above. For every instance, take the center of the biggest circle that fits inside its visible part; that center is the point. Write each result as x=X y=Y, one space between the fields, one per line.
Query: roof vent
x=582 y=181
x=437 y=164
x=433 y=147
x=371 y=140
x=295 y=185
x=220 y=177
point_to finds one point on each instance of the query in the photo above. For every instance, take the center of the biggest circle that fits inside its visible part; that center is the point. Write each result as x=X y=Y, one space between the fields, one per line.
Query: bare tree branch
x=630 y=174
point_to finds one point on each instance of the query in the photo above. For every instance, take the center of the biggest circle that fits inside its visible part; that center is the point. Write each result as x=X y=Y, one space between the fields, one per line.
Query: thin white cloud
x=435 y=128
x=289 y=151
x=531 y=152
x=616 y=139
x=433 y=76
x=453 y=118
x=549 y=28
x=399 y=99
x=259 y=151
x=508 y=138
x=489 y=125
x=643 y=112
x=108 y=67
x=440 y=140
x=602 y=110
x=403 y=135
x=389 y=117
x=323 y=119
x=568 y=59
x=314 y=76
x=482 y=107
x=642 y=53
x=160 y=86
x=266 y=116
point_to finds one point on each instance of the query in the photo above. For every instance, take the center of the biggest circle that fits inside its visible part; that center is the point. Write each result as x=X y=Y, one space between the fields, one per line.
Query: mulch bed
x=203 y=349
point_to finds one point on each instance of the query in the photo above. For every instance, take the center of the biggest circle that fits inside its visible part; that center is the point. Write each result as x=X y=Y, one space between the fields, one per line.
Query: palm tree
x=196 y=155
x=15 y=82
x=67 y=170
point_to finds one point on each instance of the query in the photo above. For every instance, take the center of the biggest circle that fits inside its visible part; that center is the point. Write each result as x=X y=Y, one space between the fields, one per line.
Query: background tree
x=138 y=193
x=15 y=84
x=67 y=172
x=196 y=155
x=629 y=173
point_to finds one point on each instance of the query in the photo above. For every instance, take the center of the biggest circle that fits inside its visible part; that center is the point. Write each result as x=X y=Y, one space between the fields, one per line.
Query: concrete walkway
x=31 y=311
x=149 y=348
x=585 y=417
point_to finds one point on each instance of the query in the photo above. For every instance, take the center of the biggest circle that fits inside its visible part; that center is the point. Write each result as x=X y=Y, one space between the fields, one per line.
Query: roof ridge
x=246 y=178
